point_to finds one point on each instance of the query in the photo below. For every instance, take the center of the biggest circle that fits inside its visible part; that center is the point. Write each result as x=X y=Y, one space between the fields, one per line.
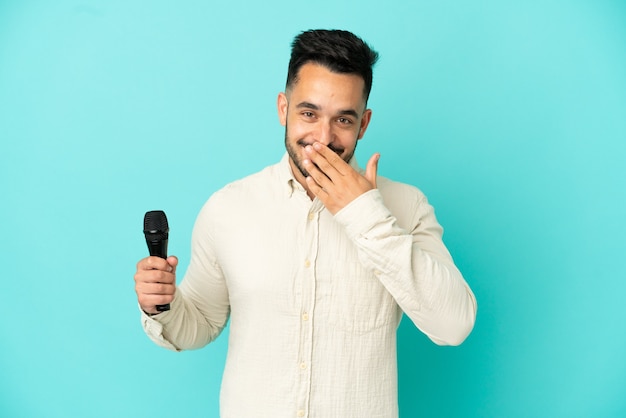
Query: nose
x=325 y=134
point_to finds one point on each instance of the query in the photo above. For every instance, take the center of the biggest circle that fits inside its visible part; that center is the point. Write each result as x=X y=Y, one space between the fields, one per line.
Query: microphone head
x=155 y=222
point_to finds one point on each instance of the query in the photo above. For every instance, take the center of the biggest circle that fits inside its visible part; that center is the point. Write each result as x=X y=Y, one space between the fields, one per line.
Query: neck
x=300 y=178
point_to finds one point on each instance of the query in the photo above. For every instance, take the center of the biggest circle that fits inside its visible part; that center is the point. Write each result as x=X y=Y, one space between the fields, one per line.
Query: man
x=313 y=260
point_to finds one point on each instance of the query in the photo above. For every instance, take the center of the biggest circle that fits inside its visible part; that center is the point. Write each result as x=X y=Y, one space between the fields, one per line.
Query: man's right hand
x=155 y=282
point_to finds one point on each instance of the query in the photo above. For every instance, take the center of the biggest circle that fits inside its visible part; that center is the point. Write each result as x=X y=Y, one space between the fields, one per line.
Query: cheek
x=296 y=128
x=348 y=138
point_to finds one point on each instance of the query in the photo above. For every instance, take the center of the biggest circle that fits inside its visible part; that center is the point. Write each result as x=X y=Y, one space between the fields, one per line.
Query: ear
x=282 y=104
x=365 y=121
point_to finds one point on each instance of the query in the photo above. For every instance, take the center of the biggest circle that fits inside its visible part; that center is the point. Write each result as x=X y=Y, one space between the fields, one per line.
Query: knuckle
x=164 y=289
x=159 y=276
x=151 y=263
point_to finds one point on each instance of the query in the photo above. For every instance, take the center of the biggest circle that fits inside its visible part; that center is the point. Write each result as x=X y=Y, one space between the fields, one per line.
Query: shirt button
x=307 y=264
x=305 y=316
x=311 y=216
x=300 y=413
x=303 y=365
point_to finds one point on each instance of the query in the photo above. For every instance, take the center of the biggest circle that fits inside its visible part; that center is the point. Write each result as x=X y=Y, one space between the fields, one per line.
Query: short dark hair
x=338 y=50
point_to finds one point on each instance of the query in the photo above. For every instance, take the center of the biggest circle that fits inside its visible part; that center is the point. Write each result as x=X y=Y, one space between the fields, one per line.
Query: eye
x=308 y=114
x=344 y=121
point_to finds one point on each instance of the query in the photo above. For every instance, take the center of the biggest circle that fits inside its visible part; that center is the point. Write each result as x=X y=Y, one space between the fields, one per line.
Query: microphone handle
x=158 y=248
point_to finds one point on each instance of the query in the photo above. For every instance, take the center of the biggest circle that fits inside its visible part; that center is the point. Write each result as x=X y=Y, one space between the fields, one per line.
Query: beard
x=295 y=155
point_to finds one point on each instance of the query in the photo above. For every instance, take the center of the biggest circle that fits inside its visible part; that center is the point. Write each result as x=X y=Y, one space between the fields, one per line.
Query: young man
x=312 y=259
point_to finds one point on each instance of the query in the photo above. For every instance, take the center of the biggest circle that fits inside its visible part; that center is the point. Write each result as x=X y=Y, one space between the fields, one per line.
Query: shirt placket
x=307 y=312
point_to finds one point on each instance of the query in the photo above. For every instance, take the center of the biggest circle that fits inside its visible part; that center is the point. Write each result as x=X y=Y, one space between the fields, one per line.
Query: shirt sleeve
x=412 y=263
x=201 y=307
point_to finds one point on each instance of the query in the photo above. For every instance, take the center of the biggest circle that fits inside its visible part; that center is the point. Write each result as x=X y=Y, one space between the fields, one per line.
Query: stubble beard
x=292 y=151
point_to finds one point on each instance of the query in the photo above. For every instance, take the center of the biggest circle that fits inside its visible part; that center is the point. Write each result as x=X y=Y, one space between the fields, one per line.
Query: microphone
x=156 y=230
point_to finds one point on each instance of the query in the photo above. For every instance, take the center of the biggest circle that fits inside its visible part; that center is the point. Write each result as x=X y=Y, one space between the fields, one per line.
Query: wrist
x=149 y=313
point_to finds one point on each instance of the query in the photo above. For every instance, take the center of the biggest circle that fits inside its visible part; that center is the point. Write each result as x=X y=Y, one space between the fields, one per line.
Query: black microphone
x=156 y=230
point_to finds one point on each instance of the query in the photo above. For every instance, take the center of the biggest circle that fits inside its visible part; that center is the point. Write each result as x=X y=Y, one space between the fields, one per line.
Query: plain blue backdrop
x=510 y=116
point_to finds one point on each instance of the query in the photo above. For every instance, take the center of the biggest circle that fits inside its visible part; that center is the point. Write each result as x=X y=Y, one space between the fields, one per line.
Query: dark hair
x=338 y=50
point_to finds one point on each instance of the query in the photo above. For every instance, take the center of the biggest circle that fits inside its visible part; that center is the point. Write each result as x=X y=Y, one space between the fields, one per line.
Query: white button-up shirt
x=314 y=300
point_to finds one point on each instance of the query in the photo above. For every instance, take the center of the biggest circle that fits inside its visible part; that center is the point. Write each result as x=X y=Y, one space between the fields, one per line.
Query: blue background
x=510 y=116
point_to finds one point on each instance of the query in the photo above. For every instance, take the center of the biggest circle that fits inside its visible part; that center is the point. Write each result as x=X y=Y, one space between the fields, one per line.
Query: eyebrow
x=308 y=105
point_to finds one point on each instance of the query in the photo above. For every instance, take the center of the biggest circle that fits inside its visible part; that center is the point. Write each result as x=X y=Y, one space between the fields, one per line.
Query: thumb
x=372 y=168
x=173 y=261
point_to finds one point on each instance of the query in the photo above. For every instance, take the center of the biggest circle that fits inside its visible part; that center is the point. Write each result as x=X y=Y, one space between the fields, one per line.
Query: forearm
x=183 y=327
x=415 y=267
x=430 y=290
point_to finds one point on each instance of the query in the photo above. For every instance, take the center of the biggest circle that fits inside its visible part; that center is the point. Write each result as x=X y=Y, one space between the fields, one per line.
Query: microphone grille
x=155 y=221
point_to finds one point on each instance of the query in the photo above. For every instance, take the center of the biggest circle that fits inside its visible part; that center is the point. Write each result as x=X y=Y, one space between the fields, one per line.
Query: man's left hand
x=333 y=180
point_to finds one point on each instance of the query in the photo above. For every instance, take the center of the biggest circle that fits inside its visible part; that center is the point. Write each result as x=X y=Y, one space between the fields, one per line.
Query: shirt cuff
x=363 y=213
x=153 y=324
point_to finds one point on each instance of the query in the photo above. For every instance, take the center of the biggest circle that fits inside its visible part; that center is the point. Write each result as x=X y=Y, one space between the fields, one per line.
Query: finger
x=145 y=288
x=155 y=263
x=154 y=276
x=371 y=169
x=314 y=187
x=173 y=262
x=316 y=174
x=327 y=160
x=149 y=302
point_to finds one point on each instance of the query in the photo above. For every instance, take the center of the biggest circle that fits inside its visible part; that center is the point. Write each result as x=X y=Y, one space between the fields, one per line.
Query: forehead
x=317 y=84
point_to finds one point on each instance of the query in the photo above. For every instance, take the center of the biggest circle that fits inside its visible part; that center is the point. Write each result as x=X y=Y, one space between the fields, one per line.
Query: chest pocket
x=359 y=301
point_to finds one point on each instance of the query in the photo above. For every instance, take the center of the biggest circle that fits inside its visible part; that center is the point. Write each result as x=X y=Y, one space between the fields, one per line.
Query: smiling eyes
x=342 y=120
